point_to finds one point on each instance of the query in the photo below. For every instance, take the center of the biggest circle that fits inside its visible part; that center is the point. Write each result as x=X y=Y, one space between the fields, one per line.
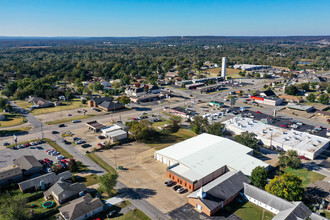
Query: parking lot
x=143 y=174
x=39 y=151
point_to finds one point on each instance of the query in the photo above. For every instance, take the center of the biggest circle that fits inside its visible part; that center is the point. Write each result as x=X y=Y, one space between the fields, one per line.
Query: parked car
x=76 y=121
x=112 y=213
x=100 y=137
x=168 y=183
x=55 y=132
x=175 y=188
x=258 y=112
x=60 y=157
x=303 y=157
x=61 y=125
x=32 y=143
x=284 y=126
x=100 y=145
x=27 y=144
x=181 y=190
x=85 y=145
x=6 y=144
x=69 y=114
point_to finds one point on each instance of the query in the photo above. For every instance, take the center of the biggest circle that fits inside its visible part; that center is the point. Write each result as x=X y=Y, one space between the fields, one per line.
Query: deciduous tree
x=259 y=177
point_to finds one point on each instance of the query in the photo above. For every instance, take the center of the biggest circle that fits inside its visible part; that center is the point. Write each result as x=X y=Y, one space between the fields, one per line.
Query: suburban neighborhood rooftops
x=64 y=189
x=6 y=173
x=80 y=207
x=221 y=189
x=205 y=153
x=27 y=162
x=49 y=178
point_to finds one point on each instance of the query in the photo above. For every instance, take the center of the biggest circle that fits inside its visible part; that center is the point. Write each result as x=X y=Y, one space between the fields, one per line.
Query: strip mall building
x=201 y=159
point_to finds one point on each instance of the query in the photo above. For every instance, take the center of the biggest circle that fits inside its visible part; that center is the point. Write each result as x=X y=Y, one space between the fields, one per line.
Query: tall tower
x=223 y=68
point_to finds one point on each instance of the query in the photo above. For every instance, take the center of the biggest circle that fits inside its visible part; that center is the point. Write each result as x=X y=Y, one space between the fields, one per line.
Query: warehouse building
x=269 y=100
x=305 y=144
x=201 y=159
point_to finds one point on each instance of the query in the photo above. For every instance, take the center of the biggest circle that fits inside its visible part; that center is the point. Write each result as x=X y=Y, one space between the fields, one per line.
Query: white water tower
x=223 y=68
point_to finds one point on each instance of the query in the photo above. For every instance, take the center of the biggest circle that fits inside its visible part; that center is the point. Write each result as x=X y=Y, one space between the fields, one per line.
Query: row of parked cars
x=27 y=144
x=178 y=188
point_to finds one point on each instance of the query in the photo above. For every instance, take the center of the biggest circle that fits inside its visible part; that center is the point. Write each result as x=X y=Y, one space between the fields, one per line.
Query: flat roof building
x=305 y=144
x=199 y=160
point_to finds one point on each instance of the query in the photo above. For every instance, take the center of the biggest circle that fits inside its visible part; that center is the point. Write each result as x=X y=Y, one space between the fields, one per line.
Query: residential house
x=106 y=85
x=29 y=165
x=82 y=208
x=134 y=91
x=40 y=102
x=10 y=175
x=105 y=103
x=43 y=182
x=64 y=191
x=319 y=79
x=215 y=195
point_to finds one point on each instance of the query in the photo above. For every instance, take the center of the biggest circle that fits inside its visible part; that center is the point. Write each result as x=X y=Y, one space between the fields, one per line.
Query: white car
x=32 y=143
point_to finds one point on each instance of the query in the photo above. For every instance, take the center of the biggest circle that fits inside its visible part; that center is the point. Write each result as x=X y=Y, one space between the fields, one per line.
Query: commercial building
x=216 y=104
x=215 y=195
x=105 y=103
x=115 y=132
x=299 y=107
x=305 y=144
x=281 y=208
x=249 y=67
x=183 y=112
x=95 y=126
x=273 y=101
x=201 y=159
x=291 y=98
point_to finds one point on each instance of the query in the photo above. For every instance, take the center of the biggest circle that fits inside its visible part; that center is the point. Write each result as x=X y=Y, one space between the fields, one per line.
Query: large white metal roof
x=206 y=153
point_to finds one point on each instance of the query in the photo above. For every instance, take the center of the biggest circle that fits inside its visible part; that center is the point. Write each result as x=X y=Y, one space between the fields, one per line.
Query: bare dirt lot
x=144 y=174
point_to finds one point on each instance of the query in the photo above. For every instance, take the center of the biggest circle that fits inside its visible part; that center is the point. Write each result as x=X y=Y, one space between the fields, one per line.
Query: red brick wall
x=194 y=201
x=180 y=181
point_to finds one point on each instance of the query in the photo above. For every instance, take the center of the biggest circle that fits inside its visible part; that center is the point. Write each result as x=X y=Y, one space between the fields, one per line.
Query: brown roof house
x=10 y=175
x=105 y=103
x=82 y=208
x=29 y=165
x=291 y=98
x=64 y=191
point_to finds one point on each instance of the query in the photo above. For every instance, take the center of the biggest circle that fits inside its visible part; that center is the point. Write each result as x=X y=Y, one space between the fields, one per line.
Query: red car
x=27 y=144
x=303 y=157
x=284 y=126
x=258 y=112
x=134 y=119
x=100 y=145
x=64 y=161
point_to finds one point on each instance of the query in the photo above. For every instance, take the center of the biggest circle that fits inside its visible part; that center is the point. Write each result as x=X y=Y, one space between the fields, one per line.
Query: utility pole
x=42 y=131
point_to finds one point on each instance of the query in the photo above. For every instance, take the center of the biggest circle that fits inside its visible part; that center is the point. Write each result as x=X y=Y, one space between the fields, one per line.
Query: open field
x=229 y=72
x=101 y=163
x=12 y=120
x=249 y=211
x=171 y=138
x=76 y=103
x=135 y=214
x=60 y=121
x=306 y=176
x=14 y=131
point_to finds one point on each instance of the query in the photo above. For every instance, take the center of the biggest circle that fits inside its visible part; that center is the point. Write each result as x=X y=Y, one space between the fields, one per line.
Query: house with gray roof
x=10 y=175
x=283 y=209
x=43 y=182
x=82 y=208
x=63 y=191
x=29 y=165
x=215 y=195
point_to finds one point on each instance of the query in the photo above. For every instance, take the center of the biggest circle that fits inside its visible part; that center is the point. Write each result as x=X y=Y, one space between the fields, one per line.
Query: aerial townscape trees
x=289 y=159
x=259 y=177
x=248 y=139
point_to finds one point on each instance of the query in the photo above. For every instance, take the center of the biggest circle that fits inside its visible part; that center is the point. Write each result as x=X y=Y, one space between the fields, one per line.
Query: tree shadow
x=138 y=193
x=315 y=194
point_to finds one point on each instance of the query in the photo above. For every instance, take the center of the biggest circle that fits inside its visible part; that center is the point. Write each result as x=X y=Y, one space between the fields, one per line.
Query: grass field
x=306 y=176
x=101 y=163
x=60 y=121
x=76 y=103
x=229 y=72
x=250 y=211
x=14 y=131
x=135 y=214
x=172 y=138
x=12 y=120
x=37 y=206
x=88 y=180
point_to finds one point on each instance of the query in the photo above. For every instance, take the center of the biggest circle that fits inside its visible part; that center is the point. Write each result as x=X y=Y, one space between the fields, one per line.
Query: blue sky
x=164 y=18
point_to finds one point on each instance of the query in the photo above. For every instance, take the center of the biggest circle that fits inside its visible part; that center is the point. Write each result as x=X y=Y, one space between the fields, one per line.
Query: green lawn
x=135 y=214
x=249 y=211
x=12 y=120
x=168 y=139
x=87 y=180
x=36 y=205
x=101 y=163
x=306 y=176
x=14 y=131
x=60 y=121
x=76 y=103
